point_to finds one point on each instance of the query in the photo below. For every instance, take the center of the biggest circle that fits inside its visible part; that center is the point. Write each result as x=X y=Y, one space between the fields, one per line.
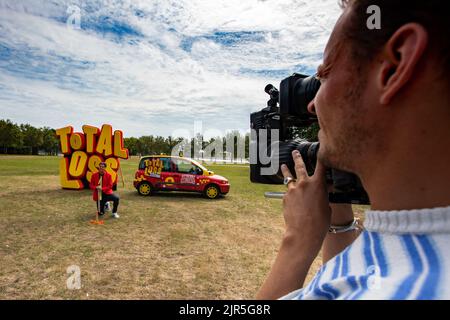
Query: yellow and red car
x=170 y=173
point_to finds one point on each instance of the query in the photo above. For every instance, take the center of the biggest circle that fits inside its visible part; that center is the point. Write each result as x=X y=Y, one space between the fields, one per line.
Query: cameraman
x=384 y=113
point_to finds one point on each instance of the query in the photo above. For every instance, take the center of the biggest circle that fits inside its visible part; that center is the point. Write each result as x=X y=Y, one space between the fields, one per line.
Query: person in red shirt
x=101 y=181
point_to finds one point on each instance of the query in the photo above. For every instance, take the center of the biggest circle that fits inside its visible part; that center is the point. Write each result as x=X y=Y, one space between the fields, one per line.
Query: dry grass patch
x=168 y=246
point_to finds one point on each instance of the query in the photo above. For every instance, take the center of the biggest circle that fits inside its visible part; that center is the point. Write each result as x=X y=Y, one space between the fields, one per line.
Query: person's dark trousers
x=109 y=197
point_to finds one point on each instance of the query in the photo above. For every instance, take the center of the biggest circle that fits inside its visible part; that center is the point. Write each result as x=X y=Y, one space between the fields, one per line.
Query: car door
x=168 y=175
x=187 y=174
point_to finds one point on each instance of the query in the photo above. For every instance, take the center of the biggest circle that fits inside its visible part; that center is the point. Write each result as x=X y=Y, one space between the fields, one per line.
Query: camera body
x=274 y=135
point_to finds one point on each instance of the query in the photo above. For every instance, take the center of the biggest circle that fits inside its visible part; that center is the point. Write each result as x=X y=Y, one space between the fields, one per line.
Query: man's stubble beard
x=345 y=148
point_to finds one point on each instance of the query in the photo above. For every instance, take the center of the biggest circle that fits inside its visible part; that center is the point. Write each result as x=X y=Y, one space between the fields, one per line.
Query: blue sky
x=154 y=66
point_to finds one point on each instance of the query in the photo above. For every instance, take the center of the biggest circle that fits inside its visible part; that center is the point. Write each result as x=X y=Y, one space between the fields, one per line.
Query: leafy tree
x=247 y=145
x=19 y=138
x=32 y=137
x=132 y=145
x=10 y=135
x=308 y=133
x=159 y=145
x=145 y=145
x=50 y=142
x=171 y=143
x=235 y=143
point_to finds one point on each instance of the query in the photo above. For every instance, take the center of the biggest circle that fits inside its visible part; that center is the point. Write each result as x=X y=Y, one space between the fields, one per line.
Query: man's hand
x=307 y=212
x=99 y=188
x=307 y=216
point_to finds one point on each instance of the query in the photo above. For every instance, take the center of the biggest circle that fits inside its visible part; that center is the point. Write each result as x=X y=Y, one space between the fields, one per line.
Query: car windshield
x=199 y=165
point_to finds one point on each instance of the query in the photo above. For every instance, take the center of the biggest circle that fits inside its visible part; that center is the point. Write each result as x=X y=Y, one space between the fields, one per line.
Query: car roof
x=165 y=156
x=174 y=157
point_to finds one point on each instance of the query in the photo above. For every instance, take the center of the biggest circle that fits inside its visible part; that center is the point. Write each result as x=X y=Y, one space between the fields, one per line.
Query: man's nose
x=311 y=107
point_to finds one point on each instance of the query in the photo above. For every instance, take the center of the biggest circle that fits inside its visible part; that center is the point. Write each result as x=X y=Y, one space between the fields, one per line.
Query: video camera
x=275 y=134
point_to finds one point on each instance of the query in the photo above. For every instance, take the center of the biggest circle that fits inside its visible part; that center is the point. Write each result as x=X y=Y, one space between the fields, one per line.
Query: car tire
x=144 y=188
x=211 y=191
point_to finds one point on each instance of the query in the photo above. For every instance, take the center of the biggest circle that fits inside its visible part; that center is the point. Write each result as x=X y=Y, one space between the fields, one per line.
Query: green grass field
x=167 y=246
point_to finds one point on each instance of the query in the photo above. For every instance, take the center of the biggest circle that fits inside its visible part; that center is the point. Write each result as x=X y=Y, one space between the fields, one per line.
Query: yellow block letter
x=77 y=141
x=112 y=165
x=93 y=163
x=104 y=145
x=119 y=150
x=66 y=182
x=63 y=135
x=78 y=164
x=91 y=135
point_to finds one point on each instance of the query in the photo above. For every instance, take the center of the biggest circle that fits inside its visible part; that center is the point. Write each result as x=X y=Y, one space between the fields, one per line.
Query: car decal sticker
x=153 y=167
x=139 y=179
x=187 y=179
x=169 y=180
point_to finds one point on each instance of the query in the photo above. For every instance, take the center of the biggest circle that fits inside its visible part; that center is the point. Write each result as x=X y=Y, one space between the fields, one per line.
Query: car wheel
x=144 y=188
x=212 y=191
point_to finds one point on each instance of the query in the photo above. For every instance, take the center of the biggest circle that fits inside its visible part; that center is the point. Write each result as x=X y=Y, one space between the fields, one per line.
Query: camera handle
x=352 y=198
x=332 y=197
x=274 y=195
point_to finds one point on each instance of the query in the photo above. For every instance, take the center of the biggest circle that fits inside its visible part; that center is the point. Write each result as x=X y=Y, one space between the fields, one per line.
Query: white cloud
x=153 y=66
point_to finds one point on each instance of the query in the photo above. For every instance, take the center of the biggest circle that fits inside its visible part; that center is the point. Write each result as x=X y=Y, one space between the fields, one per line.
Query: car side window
x=166 y=165
x=183 y=166
x=142 y=164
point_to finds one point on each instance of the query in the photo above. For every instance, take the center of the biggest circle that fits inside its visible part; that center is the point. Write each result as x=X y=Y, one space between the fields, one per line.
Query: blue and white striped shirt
x=400 y=255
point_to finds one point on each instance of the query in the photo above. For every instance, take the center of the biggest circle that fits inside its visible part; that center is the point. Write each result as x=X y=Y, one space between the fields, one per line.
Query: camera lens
x=304 y=91
x=297 y=91
x=268 y=88
x=308 y=151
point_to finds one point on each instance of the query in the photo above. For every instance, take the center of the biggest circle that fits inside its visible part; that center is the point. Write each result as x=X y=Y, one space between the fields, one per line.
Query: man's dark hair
x=433 y=15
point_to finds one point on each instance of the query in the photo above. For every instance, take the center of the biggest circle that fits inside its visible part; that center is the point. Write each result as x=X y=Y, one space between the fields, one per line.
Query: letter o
x=77 y=141
x=78 y=164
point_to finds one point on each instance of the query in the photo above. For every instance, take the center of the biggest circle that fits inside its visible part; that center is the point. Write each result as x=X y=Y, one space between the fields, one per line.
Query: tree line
x=233 y=144
x=27 y=139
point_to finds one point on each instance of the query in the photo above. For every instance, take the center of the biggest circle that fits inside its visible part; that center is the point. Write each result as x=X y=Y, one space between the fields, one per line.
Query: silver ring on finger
x=288 y=180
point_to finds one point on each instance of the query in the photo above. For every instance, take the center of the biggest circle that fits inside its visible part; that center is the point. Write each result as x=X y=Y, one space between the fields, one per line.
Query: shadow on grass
x=174 y=195
x=81 y=196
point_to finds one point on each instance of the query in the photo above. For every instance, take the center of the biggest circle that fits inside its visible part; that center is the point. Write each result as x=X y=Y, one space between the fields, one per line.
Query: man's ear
x=399 y=58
